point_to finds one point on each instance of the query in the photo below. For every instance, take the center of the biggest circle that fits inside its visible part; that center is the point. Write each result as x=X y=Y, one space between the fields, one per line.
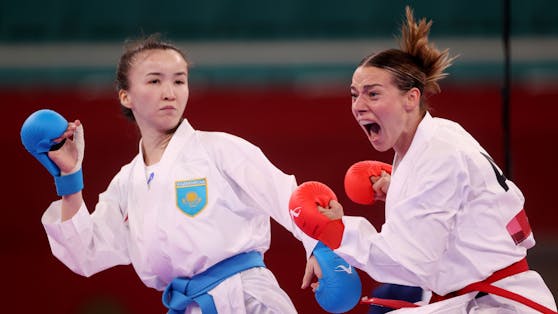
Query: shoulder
x=221 y=137
x=229 y=151
x=124 y=174
x=450 y=139
x=442 y=146
x=452 y=150
x=219 y=142
x=120 y=184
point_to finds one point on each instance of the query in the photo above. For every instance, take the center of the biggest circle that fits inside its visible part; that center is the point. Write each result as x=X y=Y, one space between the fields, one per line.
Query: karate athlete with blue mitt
x=191 y=212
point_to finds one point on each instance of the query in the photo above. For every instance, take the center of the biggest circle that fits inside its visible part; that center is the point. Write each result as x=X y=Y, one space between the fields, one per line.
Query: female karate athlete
x=452 y=218
x=190 y=208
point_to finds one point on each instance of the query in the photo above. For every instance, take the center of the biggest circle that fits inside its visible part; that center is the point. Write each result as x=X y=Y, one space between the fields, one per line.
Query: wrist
x=71 y=204
x=69 y=184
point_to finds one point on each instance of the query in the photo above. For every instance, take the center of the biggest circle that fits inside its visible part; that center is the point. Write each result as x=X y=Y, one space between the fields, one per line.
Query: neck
x=154 y=147
x=154 y=142
x=406 y=138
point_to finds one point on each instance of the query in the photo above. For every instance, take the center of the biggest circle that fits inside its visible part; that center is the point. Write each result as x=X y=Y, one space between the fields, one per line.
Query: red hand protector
x=357 y=180
x=303 y=207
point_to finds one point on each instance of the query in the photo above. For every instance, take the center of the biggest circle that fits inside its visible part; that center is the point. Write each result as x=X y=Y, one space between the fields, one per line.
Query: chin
x=379 y=147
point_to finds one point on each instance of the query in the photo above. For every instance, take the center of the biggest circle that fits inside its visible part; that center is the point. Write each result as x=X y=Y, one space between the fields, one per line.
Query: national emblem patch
x=191 y=195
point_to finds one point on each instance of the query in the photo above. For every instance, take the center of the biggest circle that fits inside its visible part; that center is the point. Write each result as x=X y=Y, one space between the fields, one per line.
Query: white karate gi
x=446 y=225
x=210 y=198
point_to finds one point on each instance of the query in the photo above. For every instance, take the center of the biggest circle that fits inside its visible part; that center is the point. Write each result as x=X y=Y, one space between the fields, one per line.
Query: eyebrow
x=159 y=73
x=368 y=86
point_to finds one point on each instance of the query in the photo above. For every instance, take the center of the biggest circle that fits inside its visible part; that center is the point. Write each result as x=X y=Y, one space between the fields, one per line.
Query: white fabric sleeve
x=266 y=187
x=416 y=231
x=88 y=243
x=361 y=247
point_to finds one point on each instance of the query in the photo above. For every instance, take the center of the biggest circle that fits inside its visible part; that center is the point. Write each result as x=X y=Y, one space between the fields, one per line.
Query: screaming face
x=385 y=113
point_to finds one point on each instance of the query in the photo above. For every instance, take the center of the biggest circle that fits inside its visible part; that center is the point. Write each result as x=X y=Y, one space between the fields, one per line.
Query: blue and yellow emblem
x=191 y=195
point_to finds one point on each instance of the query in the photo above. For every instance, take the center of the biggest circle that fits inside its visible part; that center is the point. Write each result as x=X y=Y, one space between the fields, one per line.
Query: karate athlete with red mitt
x=454 y=224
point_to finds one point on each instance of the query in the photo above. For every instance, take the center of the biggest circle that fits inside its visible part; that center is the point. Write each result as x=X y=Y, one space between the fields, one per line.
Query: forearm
x=70 y=205
x=365 y=248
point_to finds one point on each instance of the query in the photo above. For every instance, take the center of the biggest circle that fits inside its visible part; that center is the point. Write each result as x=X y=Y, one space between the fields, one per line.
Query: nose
x=359 y=105
x=168 y=92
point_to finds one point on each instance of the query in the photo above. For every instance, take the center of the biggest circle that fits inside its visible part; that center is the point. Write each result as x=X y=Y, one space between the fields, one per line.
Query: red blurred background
x=307 y=131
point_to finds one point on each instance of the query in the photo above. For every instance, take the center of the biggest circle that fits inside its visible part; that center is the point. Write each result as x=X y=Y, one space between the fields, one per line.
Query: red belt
x=481 y=286
x=511 y=270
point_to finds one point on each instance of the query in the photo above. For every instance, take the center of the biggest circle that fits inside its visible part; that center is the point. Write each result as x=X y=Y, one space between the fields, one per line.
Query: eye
x=179 y=82
x=372 y=94
x=354 y=95
x=154 y=81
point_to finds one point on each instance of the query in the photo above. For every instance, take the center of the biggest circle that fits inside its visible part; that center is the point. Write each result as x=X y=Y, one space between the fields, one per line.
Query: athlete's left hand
x=312 y=270
x=380 y=185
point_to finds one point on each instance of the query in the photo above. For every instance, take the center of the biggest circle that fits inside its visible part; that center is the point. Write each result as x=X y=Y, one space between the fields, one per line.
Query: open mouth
x=372 y=128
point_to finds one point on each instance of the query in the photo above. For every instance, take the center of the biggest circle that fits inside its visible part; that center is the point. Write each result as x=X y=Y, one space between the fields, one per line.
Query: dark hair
x=417 y=63
x=131 y=49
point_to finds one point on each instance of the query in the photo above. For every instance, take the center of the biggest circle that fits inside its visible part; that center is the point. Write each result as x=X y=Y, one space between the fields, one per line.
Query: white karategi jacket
x=446 y=223
x=210 y=198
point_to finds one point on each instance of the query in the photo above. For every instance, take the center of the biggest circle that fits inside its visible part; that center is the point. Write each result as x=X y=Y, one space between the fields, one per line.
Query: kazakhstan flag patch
x=191 y=195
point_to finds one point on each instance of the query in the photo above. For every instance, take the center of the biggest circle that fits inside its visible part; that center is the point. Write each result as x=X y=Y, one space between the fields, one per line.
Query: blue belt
x=182 y=291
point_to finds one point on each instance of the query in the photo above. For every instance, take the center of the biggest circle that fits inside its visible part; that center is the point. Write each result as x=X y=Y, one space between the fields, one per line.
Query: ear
x=413 y=99
x=124 y=99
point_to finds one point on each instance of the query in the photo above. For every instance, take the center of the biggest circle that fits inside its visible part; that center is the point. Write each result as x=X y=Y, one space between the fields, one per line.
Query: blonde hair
x=418 y=63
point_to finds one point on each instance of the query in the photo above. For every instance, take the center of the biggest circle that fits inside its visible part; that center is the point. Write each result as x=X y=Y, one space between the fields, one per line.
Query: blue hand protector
x=37 y=135
x=339 y=288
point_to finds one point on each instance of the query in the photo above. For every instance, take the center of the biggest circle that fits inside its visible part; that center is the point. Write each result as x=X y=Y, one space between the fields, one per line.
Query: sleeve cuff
x=57 y=228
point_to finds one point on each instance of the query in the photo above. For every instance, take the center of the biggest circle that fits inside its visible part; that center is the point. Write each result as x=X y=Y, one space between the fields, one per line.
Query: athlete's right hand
x=44 y=132
x=69 y=156
x=304 y=209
